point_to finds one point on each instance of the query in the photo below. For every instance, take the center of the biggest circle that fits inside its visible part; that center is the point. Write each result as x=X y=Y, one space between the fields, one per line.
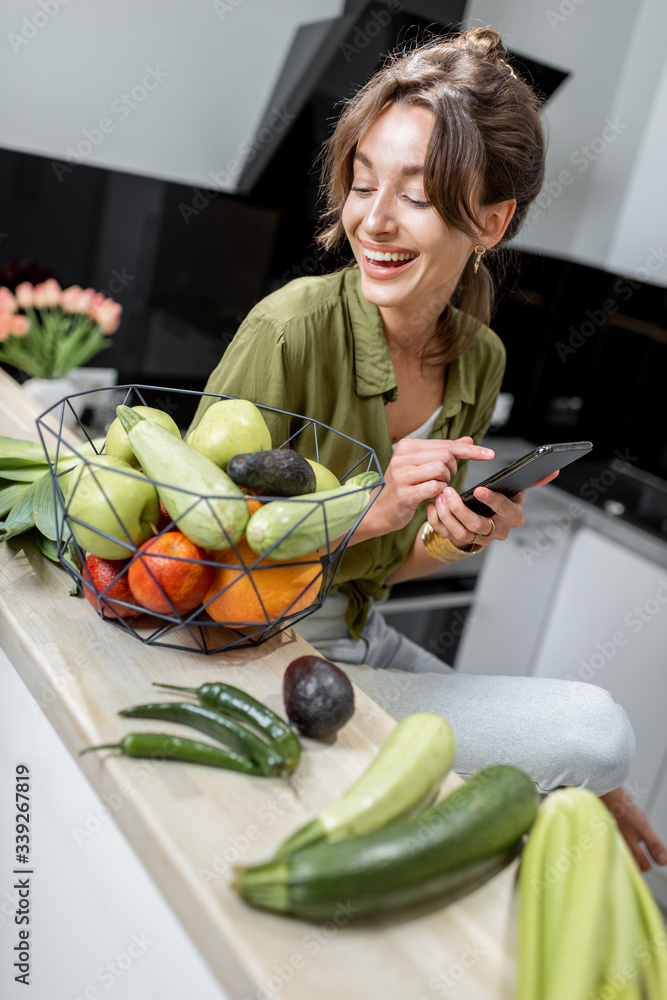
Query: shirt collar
x=461 y=385
x=373 y=368
x=373 y=371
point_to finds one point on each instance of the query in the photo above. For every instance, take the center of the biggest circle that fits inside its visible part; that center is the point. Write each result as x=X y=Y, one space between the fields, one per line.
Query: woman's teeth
x=382 y=259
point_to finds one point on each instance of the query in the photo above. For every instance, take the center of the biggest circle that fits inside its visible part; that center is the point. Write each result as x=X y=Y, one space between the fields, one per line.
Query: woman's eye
x=360 y=190
x=417 y=203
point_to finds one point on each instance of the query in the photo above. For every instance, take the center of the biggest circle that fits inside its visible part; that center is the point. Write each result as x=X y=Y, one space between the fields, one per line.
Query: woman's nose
x=381 y=217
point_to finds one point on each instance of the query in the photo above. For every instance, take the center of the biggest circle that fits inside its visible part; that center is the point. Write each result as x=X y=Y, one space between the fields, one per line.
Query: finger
x=464 y=449
x=655 y=847
x=426 y=448
x=439 y=472
x=457 y=529
x=435 y=522
x=640 y=857
x=547 y=479
x=476 y=524
x=510 y=510
x=654 y=844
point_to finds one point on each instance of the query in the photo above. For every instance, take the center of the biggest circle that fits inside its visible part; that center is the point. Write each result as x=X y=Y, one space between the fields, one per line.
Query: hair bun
x=484 y=42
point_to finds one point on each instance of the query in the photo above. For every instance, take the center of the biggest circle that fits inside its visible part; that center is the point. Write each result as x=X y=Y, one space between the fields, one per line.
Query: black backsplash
x=587 y=359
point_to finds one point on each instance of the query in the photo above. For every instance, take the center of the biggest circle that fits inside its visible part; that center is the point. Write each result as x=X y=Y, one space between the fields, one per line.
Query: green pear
x=110 y=498
x=230 y=427
x=324 y=479
x=118 y=443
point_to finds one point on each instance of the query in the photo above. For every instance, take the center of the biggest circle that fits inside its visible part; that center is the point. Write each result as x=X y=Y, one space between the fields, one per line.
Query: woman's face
x=387 y=213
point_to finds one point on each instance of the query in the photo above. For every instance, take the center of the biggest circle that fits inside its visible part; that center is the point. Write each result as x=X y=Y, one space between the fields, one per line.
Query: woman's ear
x=495 y=220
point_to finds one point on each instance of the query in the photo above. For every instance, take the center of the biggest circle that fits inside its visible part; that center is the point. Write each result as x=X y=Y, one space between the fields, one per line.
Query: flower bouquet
x=45 y=330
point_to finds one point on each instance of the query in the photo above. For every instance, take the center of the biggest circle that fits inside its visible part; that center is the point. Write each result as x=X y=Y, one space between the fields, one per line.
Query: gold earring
x=479 y=252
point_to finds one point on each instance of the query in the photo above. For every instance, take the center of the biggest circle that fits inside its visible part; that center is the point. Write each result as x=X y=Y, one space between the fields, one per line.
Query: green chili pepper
x=175 y=748
x=236 y=703
x=225 y=730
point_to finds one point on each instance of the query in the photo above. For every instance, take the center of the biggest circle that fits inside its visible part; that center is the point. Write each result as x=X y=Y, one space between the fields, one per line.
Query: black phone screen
x=527 y=471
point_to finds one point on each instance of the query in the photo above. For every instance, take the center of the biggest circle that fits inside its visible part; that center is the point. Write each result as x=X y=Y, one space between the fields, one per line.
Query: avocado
x=280 y=472
x=318 y=696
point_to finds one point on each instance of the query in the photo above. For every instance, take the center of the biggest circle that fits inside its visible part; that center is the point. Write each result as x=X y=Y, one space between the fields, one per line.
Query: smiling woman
x=431 y=167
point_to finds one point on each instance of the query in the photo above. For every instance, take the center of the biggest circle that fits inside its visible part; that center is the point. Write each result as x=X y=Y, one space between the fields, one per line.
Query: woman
x=432 y=165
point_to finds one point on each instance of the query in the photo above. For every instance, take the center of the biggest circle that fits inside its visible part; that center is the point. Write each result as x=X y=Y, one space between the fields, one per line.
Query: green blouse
x=317 y=347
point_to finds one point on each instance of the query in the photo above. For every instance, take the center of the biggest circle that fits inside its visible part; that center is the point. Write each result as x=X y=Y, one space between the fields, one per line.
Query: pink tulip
x=19 y=325
x=7 y=301
x=24 y=293
x=4 y=326
x=52 y=292
x=107 y=316
x=70 y=299
x=39 y=296
x=46 y=294
x=93 y=302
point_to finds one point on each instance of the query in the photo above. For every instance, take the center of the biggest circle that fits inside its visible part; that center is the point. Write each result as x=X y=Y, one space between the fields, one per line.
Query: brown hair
x=487 y=138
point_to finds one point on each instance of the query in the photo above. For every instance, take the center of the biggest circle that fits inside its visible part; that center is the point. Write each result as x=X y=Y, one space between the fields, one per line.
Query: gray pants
x=559 y=732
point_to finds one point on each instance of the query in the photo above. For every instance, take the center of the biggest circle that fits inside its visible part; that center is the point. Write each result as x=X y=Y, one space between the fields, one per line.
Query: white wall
x=66 y=64
x=604 y=201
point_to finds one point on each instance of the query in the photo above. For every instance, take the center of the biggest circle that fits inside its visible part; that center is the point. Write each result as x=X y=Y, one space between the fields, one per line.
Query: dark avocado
x=318 y=695
x=280 y=472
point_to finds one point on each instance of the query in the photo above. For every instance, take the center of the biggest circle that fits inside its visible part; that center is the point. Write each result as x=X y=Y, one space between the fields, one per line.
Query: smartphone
x=526 y=472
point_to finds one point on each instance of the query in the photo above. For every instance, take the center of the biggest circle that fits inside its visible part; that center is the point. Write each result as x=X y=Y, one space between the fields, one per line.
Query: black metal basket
x=195 y=631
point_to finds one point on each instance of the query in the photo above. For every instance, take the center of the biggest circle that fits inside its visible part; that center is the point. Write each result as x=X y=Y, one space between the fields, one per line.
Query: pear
x=230 y=427
x=111 y=508
x=118 y=443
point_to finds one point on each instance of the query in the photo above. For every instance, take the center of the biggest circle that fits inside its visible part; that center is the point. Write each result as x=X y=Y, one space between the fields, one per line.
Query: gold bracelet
x=443 y=549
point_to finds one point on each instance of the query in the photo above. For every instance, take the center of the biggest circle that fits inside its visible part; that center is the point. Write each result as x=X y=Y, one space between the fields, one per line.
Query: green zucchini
x=207 y=506
x=287 y=529
x=403 y=777
x=409 y=862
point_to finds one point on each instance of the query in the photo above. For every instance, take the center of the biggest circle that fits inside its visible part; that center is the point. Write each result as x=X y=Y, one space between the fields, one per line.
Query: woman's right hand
x=419 y=470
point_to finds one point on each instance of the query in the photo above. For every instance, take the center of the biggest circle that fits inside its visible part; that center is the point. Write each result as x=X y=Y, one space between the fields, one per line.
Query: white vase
x=49 y=391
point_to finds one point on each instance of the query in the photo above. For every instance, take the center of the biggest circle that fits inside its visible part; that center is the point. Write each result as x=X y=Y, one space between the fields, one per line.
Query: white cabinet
x=608 y=625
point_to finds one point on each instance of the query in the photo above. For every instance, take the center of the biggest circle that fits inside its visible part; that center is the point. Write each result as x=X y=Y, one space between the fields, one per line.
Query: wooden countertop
x=189 y=824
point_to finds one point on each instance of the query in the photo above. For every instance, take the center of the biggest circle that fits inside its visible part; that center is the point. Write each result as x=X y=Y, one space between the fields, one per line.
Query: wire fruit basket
x=272 y=594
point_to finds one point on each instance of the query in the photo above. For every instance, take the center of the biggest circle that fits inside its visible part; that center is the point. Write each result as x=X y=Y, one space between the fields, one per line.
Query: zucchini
x=443 y=850
x=286 y=529
x=403 y=777
x=206 y=505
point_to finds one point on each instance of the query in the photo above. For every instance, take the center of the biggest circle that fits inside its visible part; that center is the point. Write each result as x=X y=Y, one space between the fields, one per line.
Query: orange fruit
x=103 y=574
x=262 y=594
x=163 y=576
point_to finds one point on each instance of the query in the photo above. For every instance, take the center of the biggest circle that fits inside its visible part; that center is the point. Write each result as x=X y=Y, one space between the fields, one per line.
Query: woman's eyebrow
x=410 y=170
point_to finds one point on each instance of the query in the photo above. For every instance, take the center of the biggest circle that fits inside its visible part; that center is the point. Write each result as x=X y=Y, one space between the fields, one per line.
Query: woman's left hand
x=450 y=518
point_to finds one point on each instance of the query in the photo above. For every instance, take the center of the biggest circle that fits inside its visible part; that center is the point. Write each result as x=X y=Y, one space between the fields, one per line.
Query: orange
x=107 y=582
x=163 y=576
x=262 y=594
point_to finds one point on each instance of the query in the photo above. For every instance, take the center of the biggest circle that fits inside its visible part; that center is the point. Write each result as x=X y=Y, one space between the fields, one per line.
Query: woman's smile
x=383 y=260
